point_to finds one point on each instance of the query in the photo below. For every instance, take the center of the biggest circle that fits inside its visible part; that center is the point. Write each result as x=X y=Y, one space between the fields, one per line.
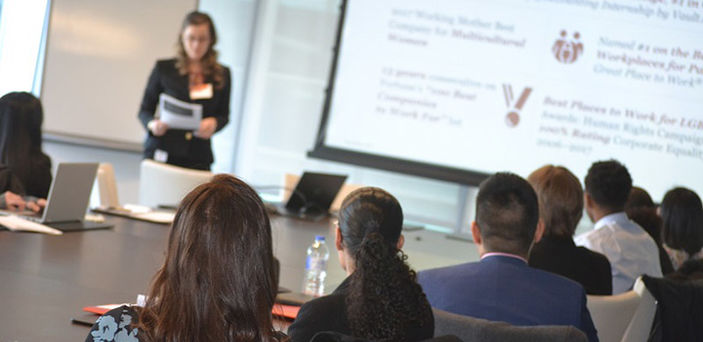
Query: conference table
x=45 y=280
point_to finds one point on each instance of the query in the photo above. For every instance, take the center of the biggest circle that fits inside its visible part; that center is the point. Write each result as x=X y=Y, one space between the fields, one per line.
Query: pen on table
x=80 y=322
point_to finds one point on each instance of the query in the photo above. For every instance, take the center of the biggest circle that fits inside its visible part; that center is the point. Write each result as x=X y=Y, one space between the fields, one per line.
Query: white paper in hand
x=179 y=114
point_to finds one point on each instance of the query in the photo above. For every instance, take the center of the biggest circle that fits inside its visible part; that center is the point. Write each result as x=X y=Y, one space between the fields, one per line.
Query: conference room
x=423 y=100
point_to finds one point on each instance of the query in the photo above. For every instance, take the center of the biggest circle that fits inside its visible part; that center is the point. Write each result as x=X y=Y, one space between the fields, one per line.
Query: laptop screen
x=315 y=191
x=70 y=192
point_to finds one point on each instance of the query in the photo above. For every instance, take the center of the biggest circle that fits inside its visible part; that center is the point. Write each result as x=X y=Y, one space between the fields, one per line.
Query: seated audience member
x=690 y=270
x=21 y=153
x=217 y=281
x=10 y=187
x=501 y=286
x=560 y=209
x=639 y=198
x=380 y=299
x=682 y=230
x=641 y=209
x=630 y=250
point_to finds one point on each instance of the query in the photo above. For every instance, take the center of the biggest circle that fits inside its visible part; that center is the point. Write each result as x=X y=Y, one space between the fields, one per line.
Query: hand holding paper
x=157 y=127
x=207 y=128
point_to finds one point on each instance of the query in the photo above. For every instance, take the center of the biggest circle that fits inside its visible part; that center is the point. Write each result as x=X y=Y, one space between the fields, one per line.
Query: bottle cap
x=319 y=238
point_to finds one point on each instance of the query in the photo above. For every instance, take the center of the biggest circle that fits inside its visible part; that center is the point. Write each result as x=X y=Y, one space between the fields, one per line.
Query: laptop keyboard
x=35 y=219
x=25 y=215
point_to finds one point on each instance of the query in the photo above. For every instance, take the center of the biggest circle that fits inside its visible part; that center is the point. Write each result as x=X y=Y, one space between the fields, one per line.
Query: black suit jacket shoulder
x=580 y=264
x=321 y=314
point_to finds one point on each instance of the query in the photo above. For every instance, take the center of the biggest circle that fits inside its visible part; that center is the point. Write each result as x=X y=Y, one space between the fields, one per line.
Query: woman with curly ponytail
x=380 y=299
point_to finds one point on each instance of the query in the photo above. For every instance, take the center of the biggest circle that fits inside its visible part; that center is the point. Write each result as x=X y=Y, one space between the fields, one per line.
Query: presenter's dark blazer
x=183 y=148
x=580 y=264
x=503 y=288
x=329 y=313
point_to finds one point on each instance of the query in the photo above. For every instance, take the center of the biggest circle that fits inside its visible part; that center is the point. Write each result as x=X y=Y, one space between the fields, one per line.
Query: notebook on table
x=68 y=199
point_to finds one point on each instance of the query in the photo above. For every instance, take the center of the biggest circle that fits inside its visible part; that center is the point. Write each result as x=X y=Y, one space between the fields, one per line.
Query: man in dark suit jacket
x=502 y=287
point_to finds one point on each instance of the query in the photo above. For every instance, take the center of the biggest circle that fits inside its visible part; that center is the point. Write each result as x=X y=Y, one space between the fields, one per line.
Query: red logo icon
x=566 y=49
x=513 y=117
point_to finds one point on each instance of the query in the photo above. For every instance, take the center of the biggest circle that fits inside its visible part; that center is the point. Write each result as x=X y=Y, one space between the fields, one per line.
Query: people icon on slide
x=567 y=50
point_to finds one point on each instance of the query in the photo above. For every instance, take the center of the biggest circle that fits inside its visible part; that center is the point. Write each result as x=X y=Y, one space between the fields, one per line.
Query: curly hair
x=609 y=184
x=211 y=68
x=384 y=299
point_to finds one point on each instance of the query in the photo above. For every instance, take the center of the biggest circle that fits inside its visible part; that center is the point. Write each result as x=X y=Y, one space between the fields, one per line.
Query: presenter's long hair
x=21 y=118
x=211 y=68
x=384 y=298
x=217 y=282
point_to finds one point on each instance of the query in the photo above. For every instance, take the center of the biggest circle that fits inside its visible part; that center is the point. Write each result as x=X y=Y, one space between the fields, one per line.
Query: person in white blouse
x=628 y=247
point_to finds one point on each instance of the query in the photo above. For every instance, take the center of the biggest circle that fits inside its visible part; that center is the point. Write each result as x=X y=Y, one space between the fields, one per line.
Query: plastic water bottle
x=316 y=267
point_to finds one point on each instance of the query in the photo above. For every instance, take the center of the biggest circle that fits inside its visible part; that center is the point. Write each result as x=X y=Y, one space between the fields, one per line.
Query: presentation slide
x=512 y=85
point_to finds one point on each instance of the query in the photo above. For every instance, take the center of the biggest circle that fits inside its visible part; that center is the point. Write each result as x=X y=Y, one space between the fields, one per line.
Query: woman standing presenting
x=193 y=76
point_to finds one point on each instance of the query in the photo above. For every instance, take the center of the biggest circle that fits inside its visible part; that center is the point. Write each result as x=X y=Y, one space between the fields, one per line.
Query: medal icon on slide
x=512 y=119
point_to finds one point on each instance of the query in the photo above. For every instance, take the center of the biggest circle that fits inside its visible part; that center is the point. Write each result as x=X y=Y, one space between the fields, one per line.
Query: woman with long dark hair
x=682 y=228
x=21 y=118
x=641 y=208
x=217 y=282
x=193 y=76
x=380 y=299
x=25 y=171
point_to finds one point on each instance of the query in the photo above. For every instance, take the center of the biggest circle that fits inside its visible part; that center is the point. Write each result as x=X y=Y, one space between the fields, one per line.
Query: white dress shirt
x=628 y=247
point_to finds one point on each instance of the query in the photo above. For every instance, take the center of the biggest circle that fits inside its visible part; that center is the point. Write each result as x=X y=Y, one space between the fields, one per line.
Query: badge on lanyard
x=201 y=92
x=160 y=155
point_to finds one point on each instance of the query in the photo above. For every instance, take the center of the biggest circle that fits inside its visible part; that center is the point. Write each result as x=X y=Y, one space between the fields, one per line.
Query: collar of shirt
x=612 y=218
x=503 y=254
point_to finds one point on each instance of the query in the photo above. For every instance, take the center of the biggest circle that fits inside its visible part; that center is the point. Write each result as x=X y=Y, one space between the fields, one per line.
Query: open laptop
x=68 y=199
x=312 y=196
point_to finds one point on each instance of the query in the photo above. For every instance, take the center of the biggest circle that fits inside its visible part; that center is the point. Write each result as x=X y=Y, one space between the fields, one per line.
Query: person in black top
x=380 y=299
x=682 y=225
x=193 y=76
x=217 y=282
x=25 y=170
x=641 y=208
x=560 y=199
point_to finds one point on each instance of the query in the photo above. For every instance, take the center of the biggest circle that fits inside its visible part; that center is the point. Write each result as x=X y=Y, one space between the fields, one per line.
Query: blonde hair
x=560 y=198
